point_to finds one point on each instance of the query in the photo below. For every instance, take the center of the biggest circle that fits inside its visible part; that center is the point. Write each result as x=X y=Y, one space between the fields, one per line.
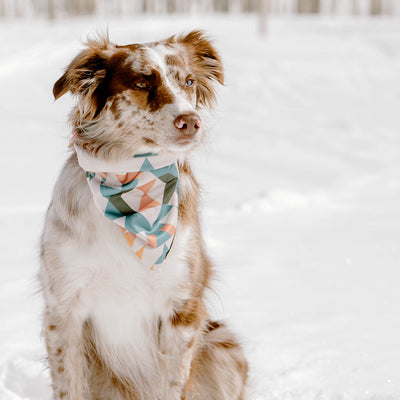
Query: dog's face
x=142 y=97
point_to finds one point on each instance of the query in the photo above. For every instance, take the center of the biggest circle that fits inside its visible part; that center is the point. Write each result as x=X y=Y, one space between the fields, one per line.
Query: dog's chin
x=182 y=147
x=175 y=146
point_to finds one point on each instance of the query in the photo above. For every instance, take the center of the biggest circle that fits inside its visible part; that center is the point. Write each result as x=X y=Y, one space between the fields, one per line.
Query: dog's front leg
x=65 y=349
x=179 y=344
x=182 y=372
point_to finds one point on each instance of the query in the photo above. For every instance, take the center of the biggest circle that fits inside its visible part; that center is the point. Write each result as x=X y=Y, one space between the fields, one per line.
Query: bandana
x=140 y=195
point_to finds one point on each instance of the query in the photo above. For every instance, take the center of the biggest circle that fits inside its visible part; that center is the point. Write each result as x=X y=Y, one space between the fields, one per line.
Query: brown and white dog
x=114 y=329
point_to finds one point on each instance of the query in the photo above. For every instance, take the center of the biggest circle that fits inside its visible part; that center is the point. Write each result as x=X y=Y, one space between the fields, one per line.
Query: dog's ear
x=206 y=64
x=86 y=77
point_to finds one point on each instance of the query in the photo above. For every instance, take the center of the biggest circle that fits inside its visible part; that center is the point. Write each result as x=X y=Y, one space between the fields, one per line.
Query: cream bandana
x=140 y=195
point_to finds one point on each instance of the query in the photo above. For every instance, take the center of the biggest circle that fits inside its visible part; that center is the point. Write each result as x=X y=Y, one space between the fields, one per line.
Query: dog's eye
x=142 y=85
x=189 y=82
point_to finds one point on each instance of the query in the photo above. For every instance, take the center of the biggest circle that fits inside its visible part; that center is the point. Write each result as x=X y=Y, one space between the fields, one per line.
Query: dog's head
x=141 y=97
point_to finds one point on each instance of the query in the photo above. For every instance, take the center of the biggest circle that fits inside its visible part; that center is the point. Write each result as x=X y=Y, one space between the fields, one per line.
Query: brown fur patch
x=114 y=108
x=219 y=371
x=148 y=140
x=175 y=60
x=190 y=314
x=159 y=95
x=211 y=325
x=188 y=202
x=154 y=97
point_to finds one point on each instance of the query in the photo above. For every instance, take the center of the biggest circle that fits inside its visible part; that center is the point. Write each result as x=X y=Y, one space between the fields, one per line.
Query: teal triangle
x=146 y=166
x=145 y=155
x=162 y=237
x=112 y=212
x=90 y=175
x=165 y=209
x=166 y=171
x=136 y=223
x=107 y=191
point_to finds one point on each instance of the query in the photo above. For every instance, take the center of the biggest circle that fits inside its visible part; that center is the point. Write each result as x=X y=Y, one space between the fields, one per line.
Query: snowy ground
x=301 y=205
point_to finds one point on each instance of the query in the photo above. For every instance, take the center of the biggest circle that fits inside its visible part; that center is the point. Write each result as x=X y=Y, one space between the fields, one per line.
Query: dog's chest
x=124 y=299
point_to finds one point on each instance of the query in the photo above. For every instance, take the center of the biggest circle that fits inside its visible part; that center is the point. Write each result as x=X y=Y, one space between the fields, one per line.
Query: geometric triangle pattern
x=142 y=199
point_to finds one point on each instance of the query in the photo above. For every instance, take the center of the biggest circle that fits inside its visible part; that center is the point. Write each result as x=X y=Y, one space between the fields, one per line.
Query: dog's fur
x=115 y=329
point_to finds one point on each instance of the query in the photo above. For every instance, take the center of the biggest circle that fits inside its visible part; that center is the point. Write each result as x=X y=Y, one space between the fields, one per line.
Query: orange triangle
x=148 y=202
x=168 y=228
x=139 y=253
x=152 y=241
x=147 y=186
x=128 y=177
x=130 y=238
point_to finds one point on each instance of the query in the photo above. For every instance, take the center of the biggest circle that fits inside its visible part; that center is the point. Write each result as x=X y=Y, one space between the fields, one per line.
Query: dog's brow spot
x=227 y=344
x=174 y=60
x=212 y=325
x=117 y=115
x=114 y=108
x=52 y=327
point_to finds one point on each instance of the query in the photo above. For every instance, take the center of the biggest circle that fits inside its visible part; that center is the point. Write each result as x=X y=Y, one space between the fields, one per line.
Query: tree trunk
x=315 y=6
x=247 y=6
x=51 y=11
x=376 y=7
x=308 y=6
x=171 y=6
x=355 y=7
x=263 y=8
x=2 y=9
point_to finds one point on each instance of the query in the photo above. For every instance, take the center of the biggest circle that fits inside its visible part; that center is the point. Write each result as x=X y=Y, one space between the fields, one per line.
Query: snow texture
x=301 y=212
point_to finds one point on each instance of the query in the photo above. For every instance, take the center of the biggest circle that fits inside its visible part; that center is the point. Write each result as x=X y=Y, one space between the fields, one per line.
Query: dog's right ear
x=85 y=77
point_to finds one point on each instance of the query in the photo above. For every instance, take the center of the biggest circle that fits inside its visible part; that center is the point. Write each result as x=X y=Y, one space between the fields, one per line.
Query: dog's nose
x=188 y=124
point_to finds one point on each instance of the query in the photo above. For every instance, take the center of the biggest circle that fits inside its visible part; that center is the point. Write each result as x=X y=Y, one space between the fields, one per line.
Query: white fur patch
x=123 y=299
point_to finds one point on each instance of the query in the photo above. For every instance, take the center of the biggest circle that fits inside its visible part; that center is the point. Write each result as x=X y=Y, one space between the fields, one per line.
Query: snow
x=300 y=205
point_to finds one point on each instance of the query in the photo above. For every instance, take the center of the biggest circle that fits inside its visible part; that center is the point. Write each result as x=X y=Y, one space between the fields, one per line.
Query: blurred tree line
x=62 y=8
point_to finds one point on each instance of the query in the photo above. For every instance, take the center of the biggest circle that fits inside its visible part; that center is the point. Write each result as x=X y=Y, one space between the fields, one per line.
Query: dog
x=122 y=322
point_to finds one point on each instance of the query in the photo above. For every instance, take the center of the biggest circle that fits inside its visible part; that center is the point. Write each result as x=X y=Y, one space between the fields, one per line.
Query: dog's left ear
x=206 y=64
